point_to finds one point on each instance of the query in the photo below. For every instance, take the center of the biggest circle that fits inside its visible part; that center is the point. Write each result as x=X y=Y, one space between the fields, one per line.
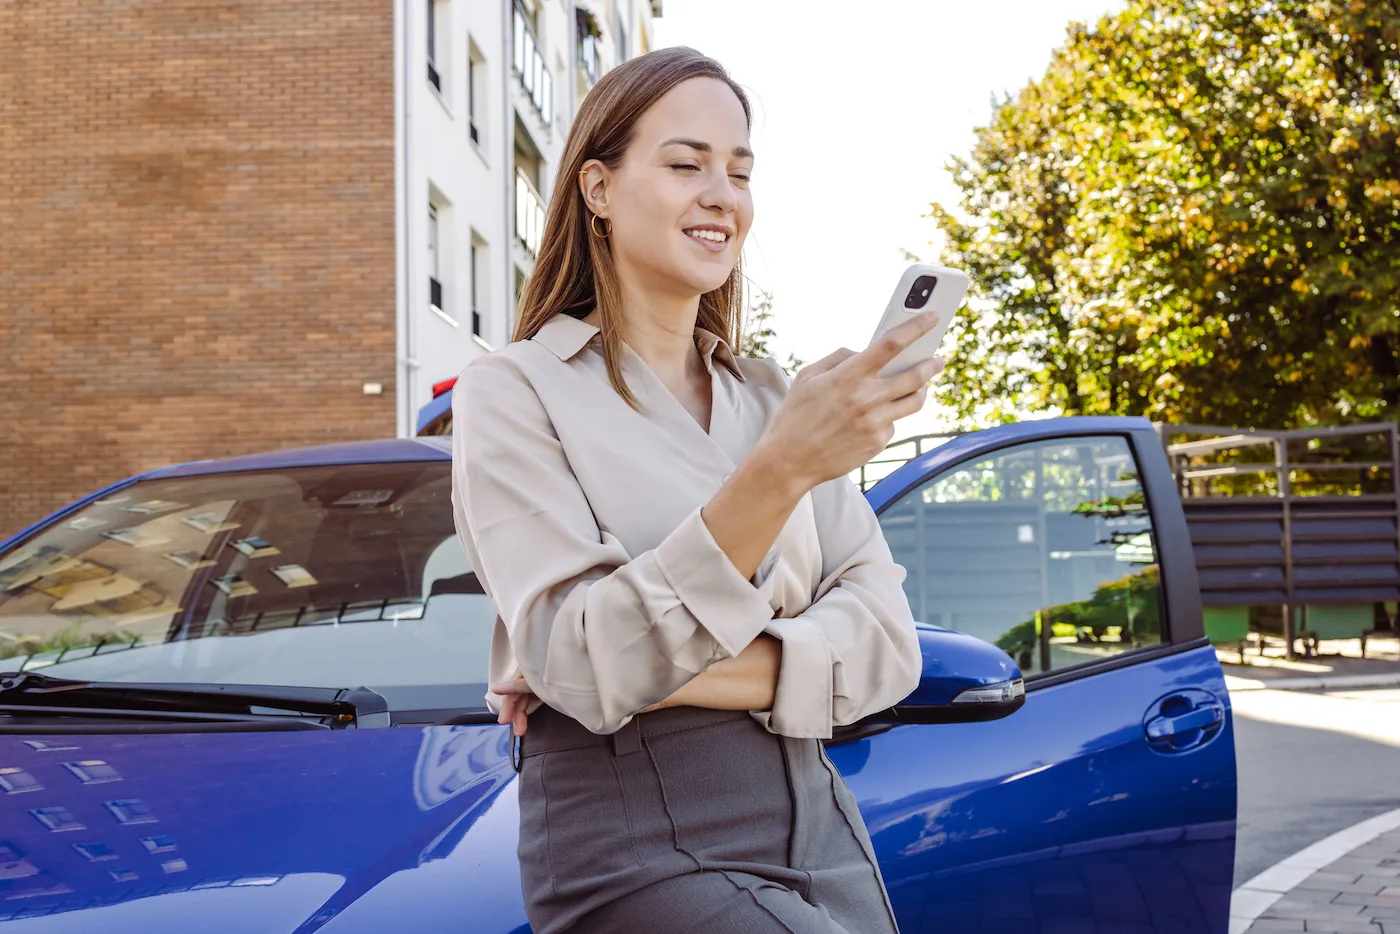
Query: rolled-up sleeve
x=598 y=633
x=854 y=651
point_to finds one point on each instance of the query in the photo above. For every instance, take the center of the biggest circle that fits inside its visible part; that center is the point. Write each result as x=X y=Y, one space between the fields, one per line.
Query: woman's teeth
x=714 y=236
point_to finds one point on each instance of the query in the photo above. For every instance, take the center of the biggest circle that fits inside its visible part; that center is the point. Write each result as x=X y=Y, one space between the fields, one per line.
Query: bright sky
x=857 y=109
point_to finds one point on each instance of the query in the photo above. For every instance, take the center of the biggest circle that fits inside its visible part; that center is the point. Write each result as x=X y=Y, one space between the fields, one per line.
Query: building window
x=529 y=204
x=434 y=282
x=475 y=104
x=131 y=811
x=14 y=781
x=589 y=60
x=529 y=213
x=92 y=771
x=95 y=852
x=476 y=286
x=58 y=819
x=434 y=78
x=158 y=844
x=529 y=65
x=438 y=238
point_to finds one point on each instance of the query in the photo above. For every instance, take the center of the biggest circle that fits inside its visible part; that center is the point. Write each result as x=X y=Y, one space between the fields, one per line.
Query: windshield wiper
x=35 y=703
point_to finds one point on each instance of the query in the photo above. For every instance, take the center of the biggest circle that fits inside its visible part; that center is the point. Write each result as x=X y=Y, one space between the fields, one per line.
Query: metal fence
x=1303 y=521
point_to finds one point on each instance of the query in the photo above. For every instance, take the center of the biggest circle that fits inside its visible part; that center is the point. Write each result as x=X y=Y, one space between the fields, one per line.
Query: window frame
x=476 y=246
x=473 y=133
x=437 y=289
x=475 y=63
x=1182 y=623
x=434 y=73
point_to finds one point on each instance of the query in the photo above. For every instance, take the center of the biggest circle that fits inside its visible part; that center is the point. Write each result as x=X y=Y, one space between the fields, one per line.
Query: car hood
x=343 y=832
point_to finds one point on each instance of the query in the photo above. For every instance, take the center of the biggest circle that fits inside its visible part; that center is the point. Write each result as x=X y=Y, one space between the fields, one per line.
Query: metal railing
x=898 y=453
x=529 y=214
x=1291 y=519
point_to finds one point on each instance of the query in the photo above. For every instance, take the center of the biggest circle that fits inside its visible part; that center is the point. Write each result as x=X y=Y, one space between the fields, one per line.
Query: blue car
x=1066 y=765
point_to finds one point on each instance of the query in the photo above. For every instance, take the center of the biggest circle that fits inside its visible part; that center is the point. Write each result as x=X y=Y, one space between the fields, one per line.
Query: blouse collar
x=564 y=336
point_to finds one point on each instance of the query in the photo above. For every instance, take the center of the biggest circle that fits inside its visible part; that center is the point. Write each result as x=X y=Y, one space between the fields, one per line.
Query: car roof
x=383 y=451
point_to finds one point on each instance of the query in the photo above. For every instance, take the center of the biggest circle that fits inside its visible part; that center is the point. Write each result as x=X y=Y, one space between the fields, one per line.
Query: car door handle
x=1204 y=716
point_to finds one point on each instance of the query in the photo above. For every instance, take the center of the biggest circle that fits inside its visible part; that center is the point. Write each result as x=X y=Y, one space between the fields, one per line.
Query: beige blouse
x=582 y=518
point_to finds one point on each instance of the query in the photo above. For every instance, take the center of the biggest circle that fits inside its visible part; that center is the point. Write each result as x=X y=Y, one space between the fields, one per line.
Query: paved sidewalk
x=1349 y=882
x=1339 y=666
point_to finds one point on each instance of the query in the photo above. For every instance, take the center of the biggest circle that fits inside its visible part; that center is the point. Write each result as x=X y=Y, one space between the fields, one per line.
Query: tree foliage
x=758 y=331
x=1193 y=215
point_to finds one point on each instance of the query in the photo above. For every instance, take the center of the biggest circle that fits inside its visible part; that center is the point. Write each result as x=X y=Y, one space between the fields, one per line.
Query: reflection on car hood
x=351 y=831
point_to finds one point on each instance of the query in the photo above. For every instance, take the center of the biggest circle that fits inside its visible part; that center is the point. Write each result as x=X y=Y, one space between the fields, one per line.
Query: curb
x=1316 y=683
x=1254 y=897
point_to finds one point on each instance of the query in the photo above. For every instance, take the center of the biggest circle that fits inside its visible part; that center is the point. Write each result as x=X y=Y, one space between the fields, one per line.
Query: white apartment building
x=485 y=92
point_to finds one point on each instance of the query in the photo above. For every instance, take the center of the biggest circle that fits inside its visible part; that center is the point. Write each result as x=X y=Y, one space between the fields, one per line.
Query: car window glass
x=1044 y=549
x=334 y=576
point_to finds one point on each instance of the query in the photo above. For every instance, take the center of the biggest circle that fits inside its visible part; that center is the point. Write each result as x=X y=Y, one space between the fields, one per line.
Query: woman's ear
x=593 y=181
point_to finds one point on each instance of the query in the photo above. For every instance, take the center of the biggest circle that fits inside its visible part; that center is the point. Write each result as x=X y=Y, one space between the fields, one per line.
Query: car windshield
x=336 y=576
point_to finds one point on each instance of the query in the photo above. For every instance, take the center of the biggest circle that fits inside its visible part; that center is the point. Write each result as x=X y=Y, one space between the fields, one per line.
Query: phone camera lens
x=918 y=295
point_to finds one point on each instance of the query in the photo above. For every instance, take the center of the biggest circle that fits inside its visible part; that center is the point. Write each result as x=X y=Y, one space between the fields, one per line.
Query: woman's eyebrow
x=740 y=152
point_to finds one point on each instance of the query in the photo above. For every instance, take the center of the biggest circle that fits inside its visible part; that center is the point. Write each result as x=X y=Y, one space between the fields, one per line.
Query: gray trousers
x=691 y=820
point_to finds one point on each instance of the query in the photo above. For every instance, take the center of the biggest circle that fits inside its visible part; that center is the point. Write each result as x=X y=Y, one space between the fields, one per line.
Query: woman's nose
x=720 y=194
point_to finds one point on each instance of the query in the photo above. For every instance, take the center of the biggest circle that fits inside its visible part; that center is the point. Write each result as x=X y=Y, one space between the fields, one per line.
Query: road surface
x=1311 y=764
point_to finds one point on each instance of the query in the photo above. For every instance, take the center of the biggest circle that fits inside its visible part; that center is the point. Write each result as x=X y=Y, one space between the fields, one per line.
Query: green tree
x=1193 y=215
x=758 y=331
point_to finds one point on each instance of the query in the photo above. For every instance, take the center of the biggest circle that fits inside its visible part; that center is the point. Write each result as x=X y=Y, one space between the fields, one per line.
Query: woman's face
x=679 y=203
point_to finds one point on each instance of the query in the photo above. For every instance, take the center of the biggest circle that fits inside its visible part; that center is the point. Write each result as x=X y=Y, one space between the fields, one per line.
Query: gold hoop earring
x=593 y=226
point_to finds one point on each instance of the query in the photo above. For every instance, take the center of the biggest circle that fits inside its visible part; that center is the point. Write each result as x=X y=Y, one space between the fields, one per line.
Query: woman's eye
x=681 y=165
x=738 y=177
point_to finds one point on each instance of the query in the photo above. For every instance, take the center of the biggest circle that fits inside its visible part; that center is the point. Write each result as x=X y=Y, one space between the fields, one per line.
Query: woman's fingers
x=829 y=362
x=515 y=703
x=888 y=346
x=912 y=380
x=903 y=407
x=507 y=709
x=516 y=698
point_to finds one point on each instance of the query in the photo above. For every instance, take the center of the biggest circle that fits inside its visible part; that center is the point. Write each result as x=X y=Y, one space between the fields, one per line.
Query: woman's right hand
x=516 y=697
x=840 y=413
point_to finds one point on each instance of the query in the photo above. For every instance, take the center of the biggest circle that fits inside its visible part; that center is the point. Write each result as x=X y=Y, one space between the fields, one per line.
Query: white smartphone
x=922 y=288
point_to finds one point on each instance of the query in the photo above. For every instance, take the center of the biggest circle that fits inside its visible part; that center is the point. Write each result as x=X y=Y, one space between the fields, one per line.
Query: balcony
x=529 y=214
x=529 y=67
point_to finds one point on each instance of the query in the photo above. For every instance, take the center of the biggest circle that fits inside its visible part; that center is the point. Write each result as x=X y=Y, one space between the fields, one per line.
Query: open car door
x=1107 y=802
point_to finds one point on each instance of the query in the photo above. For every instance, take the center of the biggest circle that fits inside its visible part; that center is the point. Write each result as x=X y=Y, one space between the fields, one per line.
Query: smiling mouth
x=716 y=237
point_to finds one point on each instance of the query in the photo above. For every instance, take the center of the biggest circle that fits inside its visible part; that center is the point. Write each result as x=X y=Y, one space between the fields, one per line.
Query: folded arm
x=854 y=651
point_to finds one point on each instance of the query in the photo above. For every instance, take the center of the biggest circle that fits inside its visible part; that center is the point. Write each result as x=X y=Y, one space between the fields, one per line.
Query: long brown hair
x=574 y=271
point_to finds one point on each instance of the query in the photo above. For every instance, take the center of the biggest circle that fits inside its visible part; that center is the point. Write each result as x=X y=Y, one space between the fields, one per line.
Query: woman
x=691 y=593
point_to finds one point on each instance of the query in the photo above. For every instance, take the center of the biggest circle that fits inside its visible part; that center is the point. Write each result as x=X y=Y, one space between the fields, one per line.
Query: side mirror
x=965 y=680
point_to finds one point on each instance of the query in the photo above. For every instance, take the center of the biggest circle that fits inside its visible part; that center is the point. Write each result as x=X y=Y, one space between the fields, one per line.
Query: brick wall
x=196 y=235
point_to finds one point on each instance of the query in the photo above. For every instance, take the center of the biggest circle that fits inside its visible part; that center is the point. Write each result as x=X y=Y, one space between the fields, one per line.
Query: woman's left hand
x=516 y=698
